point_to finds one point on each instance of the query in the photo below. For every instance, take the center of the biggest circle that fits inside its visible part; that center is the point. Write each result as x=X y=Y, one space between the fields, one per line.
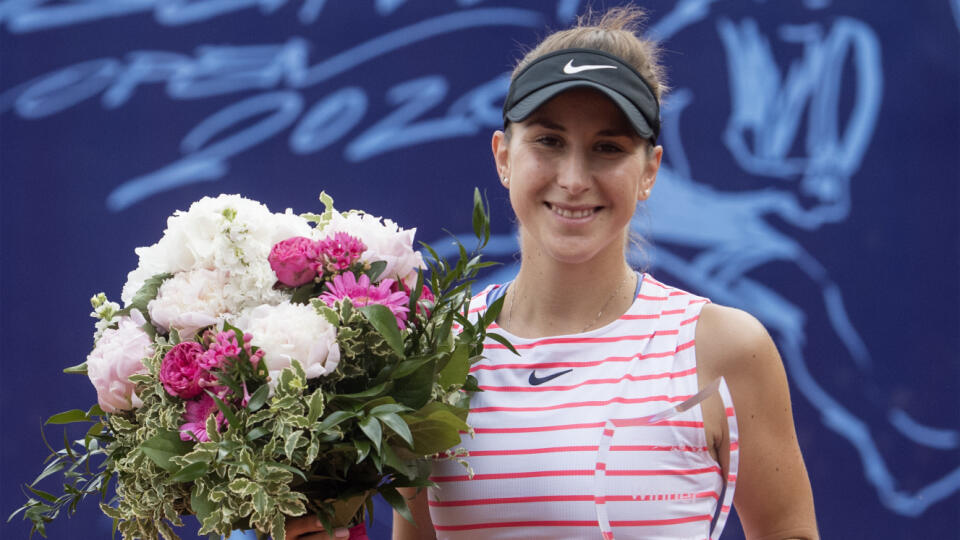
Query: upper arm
x=773 y=496
x=403 y=529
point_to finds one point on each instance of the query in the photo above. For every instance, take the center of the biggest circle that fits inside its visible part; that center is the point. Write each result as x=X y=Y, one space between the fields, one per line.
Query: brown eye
x=549 y=140
x=609 y=148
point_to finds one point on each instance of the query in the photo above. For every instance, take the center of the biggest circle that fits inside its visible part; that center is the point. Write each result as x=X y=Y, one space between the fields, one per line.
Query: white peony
x=189 y=301
x=385 y=241
x=118 y=354
x=228 y=232
x=292 y=331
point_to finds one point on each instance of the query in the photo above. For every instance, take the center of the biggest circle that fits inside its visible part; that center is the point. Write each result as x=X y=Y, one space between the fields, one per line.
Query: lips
x=577 y=212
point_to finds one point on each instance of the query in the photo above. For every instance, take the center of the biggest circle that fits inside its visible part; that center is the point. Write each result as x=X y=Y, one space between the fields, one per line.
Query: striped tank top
x=558 y=451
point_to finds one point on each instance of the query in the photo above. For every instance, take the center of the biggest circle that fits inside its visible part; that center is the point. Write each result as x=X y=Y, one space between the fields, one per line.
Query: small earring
x=505 y=180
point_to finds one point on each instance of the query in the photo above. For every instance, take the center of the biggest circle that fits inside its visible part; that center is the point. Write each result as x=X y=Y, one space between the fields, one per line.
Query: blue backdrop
x=810 y=177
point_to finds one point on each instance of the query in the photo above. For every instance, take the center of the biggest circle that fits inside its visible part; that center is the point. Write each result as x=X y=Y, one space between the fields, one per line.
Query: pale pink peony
x=362 y=293
x=185 y=370
x=118 y=354
x=189 y=301
x=294 y=260
x=288 y=332
x=196 y=414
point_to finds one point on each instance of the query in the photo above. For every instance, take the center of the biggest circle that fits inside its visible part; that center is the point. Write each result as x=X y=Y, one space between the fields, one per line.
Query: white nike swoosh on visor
x=570 y=69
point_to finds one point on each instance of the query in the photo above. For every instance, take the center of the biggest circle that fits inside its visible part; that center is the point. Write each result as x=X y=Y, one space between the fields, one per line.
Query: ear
x=501 y=154
x=650 y=173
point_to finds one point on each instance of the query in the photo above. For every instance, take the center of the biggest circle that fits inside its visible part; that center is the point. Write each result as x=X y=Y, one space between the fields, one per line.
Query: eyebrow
x=546 y=123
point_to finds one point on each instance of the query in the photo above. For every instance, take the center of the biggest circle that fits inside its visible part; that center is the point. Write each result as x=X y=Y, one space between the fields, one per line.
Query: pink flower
x=198 y=410
x=294 y=260
x=341 y=250
x=185 y=370
x=119 y=353
x=223 y=346
x=362 y=293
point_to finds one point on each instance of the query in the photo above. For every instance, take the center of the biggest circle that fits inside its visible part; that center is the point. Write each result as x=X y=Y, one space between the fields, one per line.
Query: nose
x=573 y=174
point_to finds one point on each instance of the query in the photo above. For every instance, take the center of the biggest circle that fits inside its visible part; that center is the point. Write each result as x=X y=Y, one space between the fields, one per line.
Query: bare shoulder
x=773 y=495
x=731 y=342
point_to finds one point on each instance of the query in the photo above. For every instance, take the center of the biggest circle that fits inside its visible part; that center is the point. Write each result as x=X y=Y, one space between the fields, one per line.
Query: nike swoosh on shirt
x=535 y=381
x=570 y=69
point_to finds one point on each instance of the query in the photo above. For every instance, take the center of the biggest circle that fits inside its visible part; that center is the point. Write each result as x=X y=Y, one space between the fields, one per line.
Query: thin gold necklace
x=626 y=278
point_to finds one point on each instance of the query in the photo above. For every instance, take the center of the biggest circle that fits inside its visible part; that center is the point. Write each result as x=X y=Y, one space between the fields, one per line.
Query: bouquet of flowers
x=269 y=365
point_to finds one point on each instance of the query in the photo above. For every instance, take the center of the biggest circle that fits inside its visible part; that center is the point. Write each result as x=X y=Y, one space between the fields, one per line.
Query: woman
x=565 y=446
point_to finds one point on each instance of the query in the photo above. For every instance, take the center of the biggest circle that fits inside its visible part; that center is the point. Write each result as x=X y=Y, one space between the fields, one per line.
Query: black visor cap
x=556 y=72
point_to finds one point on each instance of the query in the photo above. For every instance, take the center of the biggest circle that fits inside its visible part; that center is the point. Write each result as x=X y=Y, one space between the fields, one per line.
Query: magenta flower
x=198 y=410
x=340 y=251
x=362 y=293
x=184 y=371
x=294 y=260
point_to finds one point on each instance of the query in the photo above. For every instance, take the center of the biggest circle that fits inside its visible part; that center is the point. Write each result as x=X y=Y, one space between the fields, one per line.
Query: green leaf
x=396 y=423
x=435 y=428
x=226 y=410
x=190 y=473
x=415 y=294
x=53 y=468
x=376 y=268
x=372 y=429
x=335 y=419
x=43 y=494
x=326 y=312
x=164 y=446
x=478 y=216
x=503 y=341
x=363 y=448
x=414 y=390
x=368 y=393
x=79 y=368
x=407 y=367
x=68 y=417
x=493 y=311
x=457 y=368
x=258 y=398
x=146 y=293
x=95 y=410
x=290 y=446
x=315 y=406
x=303 y=293
x=257 y=432
x=396 y=500
x=388 y=408
x=286 y=467
x=385 y=323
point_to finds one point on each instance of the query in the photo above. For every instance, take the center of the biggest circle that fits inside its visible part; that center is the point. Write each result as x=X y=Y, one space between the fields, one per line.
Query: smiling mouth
x=573 y=214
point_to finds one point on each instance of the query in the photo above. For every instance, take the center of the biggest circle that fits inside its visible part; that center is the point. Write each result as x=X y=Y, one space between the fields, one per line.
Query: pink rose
x=185 y=370
x=198 y=410
x=294 y=260
x=118 y=354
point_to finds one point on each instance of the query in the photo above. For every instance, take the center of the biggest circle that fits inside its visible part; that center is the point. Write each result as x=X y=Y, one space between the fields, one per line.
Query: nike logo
x=570 y=69
x=535 y=381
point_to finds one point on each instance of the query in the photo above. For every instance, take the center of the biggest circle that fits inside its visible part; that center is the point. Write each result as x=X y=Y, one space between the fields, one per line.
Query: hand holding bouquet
x=263 y=367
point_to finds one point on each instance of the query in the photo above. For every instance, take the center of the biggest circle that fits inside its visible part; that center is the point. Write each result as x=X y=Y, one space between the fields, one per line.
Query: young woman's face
x=576 y=170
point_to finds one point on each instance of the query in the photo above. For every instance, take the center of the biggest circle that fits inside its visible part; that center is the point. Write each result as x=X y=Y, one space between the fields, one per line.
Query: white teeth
x=572 y=214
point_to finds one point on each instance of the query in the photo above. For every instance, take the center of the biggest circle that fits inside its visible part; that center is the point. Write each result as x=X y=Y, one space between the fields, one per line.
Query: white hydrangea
x=292 y=331
x=385 y=241
x=228 y=232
